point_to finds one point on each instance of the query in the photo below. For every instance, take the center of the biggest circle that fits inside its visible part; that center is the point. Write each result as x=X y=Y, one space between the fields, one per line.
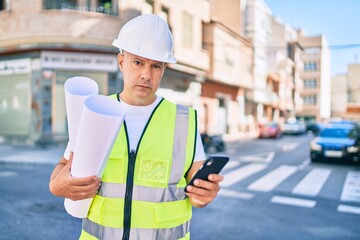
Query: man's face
x=142 y=78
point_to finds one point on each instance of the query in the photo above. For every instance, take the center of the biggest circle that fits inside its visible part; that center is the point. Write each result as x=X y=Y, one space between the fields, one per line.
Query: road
x=271 y=191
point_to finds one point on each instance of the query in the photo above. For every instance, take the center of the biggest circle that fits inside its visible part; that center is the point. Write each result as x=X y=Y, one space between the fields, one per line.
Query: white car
x=294 y=128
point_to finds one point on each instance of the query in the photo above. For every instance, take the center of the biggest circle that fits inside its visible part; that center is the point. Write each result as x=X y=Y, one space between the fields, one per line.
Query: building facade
x=316 y=77
x=42 y=46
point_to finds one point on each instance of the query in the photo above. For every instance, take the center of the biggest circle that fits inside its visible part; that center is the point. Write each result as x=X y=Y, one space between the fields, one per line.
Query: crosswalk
x=258 y=177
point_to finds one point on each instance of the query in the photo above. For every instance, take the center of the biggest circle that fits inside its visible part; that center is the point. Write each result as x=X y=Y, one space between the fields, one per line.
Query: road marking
x=241 y=173
x=348 y=209
x=351 y=188
x=272 y=179
x=304 y=164
x=288 y=146
x=259 y=157
x=8 y=174
x=313 y=182
x=231 y=164
x=293 y=201
x=235 y=194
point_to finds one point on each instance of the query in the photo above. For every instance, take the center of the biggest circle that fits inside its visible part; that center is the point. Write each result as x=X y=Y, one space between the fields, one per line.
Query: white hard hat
x=147 y=36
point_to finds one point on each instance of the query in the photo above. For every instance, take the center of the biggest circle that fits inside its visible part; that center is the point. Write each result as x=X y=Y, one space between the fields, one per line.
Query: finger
x=85 y=181
x=215 y=178
x=210 y=186
x=91 y=188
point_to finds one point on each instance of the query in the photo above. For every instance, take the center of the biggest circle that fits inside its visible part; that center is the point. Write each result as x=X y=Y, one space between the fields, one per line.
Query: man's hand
x=62 y=184
x=203 y=192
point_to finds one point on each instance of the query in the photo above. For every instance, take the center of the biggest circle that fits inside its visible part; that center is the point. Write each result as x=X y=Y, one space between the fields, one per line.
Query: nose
x=146 y=73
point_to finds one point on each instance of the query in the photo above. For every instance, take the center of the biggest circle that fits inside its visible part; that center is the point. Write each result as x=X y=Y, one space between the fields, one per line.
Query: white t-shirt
x=136 y=118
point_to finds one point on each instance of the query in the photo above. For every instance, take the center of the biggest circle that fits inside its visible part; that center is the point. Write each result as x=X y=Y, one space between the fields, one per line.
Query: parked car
x=336 y=142
x=295 y=127
x=213 y=142
x=270 y=130
x=313 y=127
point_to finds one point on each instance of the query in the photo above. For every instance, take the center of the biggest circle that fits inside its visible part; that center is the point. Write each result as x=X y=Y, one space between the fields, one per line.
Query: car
x=294 y=127
x=270 y=130
x=336 y=142
x=313 y=127
x=213 y=142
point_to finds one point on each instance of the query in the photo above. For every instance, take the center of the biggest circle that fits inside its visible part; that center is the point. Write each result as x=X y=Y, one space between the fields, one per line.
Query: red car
x=270 y=130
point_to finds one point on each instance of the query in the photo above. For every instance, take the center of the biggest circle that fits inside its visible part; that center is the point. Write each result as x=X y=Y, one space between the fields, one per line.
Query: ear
x=120 y=60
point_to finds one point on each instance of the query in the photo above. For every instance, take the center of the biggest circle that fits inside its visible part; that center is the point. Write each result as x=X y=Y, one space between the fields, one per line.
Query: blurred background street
x=276 y=86
x=271 y=191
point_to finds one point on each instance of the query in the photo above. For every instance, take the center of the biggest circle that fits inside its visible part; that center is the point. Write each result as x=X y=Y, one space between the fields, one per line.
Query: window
x=310 y=66
x=60 y=4
x=187 y=29
x=310 y=83
x=310 y=100
x=101 y=6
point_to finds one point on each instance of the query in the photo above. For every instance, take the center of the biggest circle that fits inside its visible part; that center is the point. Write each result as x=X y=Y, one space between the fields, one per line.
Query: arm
x=205 y=191
x=62 y=184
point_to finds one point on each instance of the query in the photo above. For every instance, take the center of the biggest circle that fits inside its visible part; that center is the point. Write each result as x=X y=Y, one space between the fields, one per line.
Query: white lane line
x=348 y=209
x=293 y=201
x=235 y=194
x=231 y=164
x=313 y=182
x=8 y=174
x=351 y=188
x=272 y=179
x=304 y=164
x=241 y=173
x=289 y=146
x=259 y=157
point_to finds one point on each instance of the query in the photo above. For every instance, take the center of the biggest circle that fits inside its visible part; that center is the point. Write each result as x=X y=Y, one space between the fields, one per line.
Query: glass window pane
x=15 y=109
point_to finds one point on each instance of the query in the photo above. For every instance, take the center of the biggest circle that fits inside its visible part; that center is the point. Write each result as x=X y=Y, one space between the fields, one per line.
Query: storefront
x=32 y=101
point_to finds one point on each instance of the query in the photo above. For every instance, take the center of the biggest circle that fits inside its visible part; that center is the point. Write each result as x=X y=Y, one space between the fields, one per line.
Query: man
x=155 y=154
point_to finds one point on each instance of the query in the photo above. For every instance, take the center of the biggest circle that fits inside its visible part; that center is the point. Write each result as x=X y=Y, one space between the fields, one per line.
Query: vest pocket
x=153 y=170
x=172 y=214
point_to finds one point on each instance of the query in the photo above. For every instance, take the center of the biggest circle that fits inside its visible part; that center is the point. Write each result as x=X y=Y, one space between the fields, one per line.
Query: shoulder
x=176 y=105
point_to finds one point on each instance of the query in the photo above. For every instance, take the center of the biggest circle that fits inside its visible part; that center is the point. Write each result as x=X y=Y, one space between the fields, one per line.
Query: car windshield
x=338 y=133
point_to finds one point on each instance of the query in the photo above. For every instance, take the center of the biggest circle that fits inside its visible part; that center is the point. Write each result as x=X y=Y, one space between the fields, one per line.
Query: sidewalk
x=52 y=154
x=30 y=154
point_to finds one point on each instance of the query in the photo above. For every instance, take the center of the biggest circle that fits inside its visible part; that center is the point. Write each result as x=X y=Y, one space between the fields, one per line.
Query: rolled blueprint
x=99 y=126
x=77 y=90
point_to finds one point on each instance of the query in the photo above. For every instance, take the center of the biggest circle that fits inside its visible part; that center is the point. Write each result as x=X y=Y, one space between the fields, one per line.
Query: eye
x=138 y=63
x=157 y=66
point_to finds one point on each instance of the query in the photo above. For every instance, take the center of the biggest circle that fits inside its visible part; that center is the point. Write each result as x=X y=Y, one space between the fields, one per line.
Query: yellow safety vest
x=142 y=192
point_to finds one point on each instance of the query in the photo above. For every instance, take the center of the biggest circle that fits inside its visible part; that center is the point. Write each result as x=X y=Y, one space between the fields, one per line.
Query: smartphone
x=214 y=164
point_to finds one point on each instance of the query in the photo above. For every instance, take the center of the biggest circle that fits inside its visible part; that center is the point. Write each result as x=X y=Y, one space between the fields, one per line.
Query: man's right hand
x=62 y=184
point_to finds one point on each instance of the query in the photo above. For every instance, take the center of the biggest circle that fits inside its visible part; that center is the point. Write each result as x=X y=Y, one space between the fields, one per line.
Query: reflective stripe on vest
x=168 y=206
x=142 y=193
x=101 y=232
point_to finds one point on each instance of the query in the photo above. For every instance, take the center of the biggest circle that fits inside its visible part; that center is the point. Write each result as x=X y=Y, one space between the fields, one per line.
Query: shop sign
x=79 y=61
x=18 y=66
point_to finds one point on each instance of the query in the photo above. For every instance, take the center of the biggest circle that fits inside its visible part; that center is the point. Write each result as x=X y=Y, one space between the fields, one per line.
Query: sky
x=338 y=21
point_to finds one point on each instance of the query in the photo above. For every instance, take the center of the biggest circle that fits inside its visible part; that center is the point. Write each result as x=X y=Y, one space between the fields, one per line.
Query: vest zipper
x=130 y=177
x=128 y=194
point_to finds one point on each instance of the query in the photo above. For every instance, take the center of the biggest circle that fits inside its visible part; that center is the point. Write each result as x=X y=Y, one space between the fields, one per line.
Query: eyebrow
x=142 y=60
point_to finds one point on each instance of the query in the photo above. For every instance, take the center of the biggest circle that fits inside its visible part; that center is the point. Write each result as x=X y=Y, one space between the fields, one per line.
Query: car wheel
x=314 y=159
x=220 y=148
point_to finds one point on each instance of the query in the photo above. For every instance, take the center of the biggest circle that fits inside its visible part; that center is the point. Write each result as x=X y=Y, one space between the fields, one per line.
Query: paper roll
x=77 y=90
x=99 y=126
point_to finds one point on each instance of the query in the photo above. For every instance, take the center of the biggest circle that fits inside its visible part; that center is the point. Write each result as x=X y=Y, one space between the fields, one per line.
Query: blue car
x=336 y=142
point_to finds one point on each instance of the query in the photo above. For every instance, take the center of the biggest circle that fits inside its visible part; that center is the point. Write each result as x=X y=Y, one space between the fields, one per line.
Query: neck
x=137 y=101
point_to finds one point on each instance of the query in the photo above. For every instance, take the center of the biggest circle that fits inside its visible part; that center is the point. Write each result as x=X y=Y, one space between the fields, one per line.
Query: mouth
x=143 y=86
